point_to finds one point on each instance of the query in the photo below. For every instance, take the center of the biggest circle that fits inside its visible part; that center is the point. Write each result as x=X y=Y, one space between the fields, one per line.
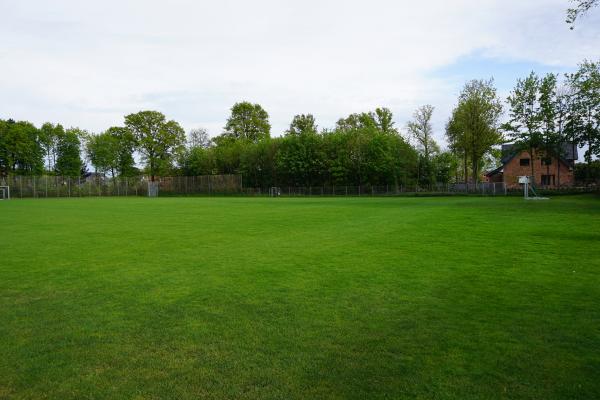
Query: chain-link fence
x=487 y=189
x=59 y=186
x=56 y=186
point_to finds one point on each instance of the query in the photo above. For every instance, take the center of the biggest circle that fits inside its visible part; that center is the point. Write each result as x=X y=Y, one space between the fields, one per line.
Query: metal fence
x=59 y=186
x=56 y=186
x=489 y=189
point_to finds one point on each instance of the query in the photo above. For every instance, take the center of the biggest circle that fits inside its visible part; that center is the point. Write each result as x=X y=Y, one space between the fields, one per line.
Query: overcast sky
x=87 y=64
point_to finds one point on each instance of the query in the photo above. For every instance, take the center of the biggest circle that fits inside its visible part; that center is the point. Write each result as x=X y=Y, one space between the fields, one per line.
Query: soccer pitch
x=301 y=298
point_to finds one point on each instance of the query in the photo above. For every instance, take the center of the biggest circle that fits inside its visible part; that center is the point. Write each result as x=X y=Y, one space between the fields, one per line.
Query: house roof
x=568 y=150
x=496 y=171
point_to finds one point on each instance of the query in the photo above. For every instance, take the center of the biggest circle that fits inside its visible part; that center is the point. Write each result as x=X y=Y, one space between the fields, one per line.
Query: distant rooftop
x=569 y=152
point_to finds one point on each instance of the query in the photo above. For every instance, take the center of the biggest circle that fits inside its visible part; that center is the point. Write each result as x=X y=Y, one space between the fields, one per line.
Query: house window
x=524 y=162
x=547 y=180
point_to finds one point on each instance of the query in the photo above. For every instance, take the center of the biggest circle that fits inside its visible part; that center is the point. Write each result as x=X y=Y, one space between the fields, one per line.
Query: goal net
x=152 y=189
x=275 y=192
x=4 y=192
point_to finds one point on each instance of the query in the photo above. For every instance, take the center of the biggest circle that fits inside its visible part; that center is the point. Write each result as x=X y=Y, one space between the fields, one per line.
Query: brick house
x=549 y=172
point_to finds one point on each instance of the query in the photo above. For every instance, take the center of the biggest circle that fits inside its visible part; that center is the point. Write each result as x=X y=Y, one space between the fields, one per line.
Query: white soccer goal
x=528 y=189
x=275 y=192
x=4 y=192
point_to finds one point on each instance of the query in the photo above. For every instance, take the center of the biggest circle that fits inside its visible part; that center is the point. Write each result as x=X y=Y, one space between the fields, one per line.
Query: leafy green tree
x=158 y=140
x=562 y=112
x=49 y=134
x=20 y=150
x=551 y=140
x=367 y=149
x=68 y=153
x=197 y=161
x=103 y=151
x=458 y=144
x=421 y=130
x=301 y=160
x=474 y=127
x=445 y=164
x=112 y=151
x=525 y=124
x=199 y=137
x=302 y=124
x=125 y=147
x=580 y=8
x=383 y=118
x=258 y=162
x=584 y=124
x=247 y=122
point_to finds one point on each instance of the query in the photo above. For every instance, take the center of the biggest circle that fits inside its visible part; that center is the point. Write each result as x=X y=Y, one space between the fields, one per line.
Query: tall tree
x=475 y=124
x=101 y=151
x=551 y=141
x=198 y=137
x=421 y=130
x=20 y=150
x=562 y=114
x=585 y=108
x=68 y=153
x=524 y=127
x=125 y=147
x=302 y=124
x=301 y=158
x=158 y=140
x=458 y=141
x=580 y=8
x=49 y=134
x=383 y=118
x=248 y=122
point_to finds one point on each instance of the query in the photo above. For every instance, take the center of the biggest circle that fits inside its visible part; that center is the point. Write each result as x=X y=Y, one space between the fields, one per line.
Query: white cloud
x=90 y=63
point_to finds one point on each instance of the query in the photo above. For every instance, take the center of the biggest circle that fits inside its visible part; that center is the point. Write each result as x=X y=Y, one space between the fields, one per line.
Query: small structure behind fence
x=56 y=186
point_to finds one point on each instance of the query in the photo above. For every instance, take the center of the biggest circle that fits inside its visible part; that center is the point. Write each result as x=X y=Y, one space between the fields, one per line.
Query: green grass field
x=259 y=298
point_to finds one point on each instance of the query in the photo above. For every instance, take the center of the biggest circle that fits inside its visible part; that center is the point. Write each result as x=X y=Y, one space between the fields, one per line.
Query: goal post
x=275 y=192
x=4 y=192
x=528 y=189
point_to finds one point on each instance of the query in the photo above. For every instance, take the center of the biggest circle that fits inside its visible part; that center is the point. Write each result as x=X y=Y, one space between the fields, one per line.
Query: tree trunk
x=532 y=165
x=548 y=170
x=558 y=168
x=466 y=168
x=588 y=158
x=475 y=166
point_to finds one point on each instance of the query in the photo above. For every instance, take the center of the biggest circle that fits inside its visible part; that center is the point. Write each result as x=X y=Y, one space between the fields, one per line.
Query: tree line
x=361 y=149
